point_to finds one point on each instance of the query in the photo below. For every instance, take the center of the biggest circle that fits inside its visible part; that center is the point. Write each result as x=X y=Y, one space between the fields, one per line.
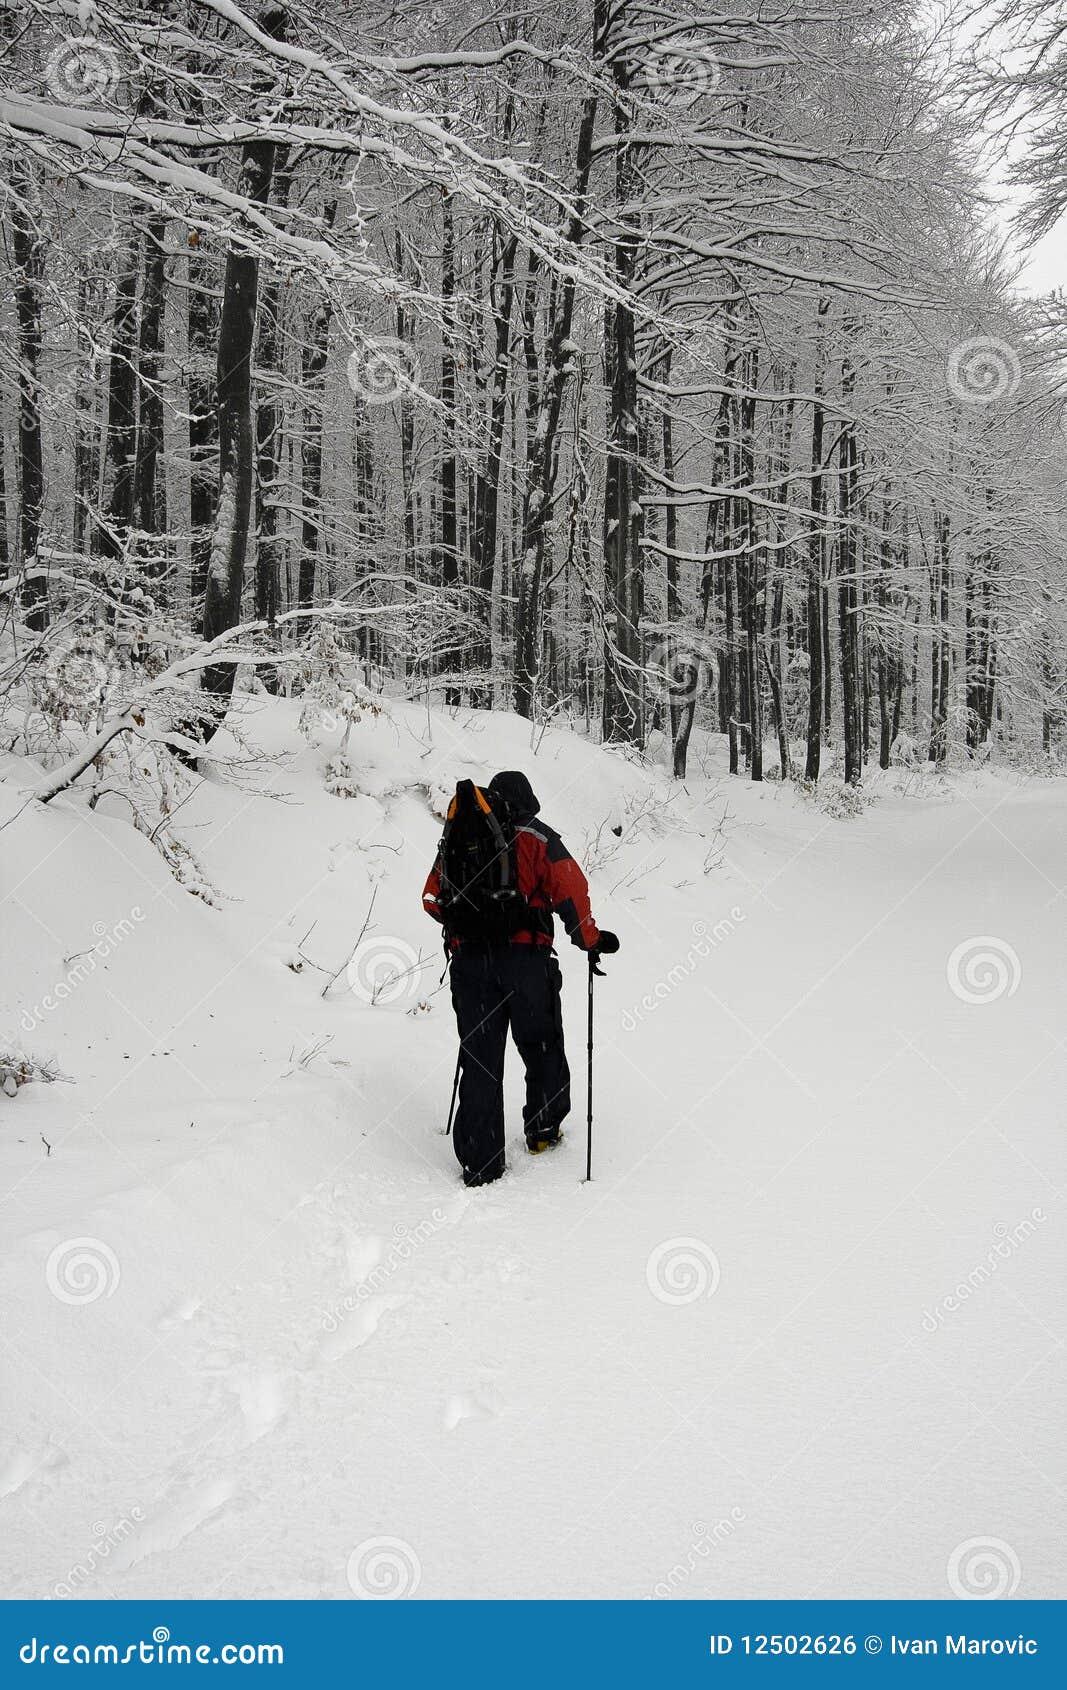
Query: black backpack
x=479 y=896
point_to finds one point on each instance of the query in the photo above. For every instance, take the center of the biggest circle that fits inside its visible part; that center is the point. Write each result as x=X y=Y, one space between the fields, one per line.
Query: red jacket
x=550 y=881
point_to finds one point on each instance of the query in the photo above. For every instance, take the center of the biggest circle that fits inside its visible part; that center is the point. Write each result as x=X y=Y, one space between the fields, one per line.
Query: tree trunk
x=5 y=548
x=27 y=256
x=150 y=491
x=752 y=586
x=225 y=578
x=774 y=680
x=313 y=371
x=816 y=564
x=111 y=536
x=407 y=428
x=86 y=453
x=623 y=713
x=848 y=598
x=939 y=653
x=487 y=494
x=541 y=465
x=449 y=547
x=270 y=422
x=203 y=425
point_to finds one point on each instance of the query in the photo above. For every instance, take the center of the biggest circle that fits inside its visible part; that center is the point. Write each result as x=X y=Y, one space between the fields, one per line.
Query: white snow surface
x=801 y=1336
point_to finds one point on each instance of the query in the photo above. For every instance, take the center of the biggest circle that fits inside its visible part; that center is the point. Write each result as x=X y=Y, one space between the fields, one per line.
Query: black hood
x=512 y=786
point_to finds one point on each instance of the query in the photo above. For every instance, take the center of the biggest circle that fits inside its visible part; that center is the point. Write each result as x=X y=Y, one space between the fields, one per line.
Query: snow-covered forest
x=650 y=398
x=613 y=361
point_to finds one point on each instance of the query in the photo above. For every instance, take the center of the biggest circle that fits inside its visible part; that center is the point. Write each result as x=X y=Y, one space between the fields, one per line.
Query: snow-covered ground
x=799 y=1337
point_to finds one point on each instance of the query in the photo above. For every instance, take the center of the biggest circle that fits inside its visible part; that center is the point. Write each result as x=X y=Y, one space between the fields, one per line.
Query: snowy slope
x=729 y=1367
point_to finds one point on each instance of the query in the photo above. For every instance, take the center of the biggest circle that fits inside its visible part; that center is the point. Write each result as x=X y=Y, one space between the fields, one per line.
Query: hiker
x=499 y=877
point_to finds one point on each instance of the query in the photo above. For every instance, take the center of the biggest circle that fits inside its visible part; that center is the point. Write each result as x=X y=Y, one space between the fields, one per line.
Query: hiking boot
x=484 y=1176
x=538 y=1141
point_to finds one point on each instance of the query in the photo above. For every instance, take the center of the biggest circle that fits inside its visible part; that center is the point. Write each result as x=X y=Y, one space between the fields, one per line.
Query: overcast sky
x=954 y=27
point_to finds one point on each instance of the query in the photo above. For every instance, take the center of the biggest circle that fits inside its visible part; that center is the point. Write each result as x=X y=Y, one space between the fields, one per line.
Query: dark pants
x=495 y=987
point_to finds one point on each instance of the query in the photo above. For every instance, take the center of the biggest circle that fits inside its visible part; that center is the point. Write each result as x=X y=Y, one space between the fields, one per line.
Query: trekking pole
x=455 y=1090
x=589 y=1105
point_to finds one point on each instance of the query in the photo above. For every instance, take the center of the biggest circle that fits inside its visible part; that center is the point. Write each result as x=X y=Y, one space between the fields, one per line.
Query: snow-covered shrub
x=18 y=1070
x=835 y=798
x=1033 y=760
x=82 y=678
x=335 y=698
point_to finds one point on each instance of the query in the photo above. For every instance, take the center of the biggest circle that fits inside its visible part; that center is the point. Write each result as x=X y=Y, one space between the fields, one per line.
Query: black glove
x=606 y=945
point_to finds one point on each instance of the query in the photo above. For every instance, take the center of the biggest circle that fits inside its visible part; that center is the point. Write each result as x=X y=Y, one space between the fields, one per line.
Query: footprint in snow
x=453 y=1207
x=362 y=1256
x=21 y=1463
x=172 y=1521
x=350 y=1329
x=264 y=1399
x=180 y=1315
x=471 y=1405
